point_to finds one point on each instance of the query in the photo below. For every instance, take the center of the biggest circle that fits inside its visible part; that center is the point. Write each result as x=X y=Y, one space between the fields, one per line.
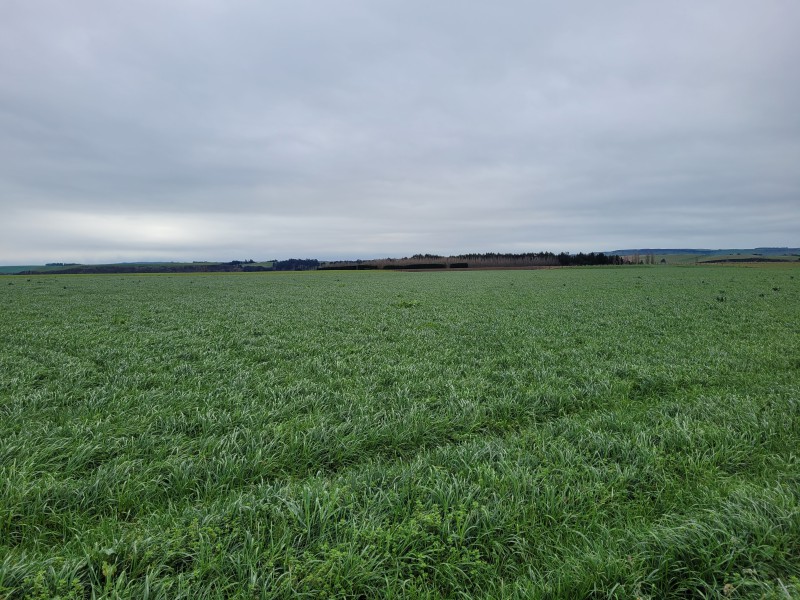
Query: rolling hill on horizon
x=682 y=254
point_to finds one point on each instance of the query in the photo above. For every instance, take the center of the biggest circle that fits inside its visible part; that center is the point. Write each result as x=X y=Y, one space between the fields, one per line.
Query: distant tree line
x=484 y=260
x=564 y=259
x=295 y=264
x=416 y=262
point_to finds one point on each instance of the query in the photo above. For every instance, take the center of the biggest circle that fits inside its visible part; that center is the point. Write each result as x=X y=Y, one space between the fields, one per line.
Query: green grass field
x=691 y=259
x=628 y=432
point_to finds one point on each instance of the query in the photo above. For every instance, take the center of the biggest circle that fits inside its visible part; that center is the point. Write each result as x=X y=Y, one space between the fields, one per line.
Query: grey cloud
x=289 y=128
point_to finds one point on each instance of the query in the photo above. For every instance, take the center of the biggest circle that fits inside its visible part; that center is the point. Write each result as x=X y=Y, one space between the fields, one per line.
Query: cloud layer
x=244 y=129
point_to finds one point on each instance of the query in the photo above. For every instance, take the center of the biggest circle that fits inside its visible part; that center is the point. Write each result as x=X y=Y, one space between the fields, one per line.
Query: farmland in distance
x=568 y=433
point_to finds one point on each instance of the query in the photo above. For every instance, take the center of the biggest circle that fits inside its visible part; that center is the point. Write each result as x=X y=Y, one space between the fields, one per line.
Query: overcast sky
x=237 y=129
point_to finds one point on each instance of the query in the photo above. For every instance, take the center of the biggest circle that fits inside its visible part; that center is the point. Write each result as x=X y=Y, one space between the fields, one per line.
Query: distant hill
x=707 y=252
x=153 y=267
x=427 y=261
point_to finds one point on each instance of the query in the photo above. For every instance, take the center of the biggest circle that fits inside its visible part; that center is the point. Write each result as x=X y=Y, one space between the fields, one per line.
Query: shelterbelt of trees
x=487 y=260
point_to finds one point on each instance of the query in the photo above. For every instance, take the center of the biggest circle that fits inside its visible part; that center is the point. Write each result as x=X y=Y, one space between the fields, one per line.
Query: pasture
x=628 y=432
